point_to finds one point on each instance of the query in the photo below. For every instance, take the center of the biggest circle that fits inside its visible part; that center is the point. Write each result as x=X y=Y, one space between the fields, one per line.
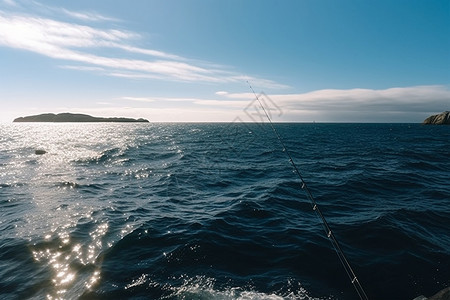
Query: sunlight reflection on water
x=70 y=261
x=67 y=234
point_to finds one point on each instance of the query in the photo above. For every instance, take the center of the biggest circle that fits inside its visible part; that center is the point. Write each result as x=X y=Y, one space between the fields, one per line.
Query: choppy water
x=214 y=211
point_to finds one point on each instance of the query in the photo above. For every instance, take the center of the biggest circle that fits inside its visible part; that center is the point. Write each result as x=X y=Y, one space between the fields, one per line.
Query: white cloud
x=45 y=9
x=80 y=43
x=140 y=99
x=407 y=104
x=86 y=16
x=82 y=68
x=199 y=101
x=42 y=35
x=221 y=103
x=417 y=97
x=61 y=40
x=149 y=52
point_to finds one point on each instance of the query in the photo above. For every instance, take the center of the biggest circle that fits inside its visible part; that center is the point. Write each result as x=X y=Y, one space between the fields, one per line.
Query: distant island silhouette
x=69 y=117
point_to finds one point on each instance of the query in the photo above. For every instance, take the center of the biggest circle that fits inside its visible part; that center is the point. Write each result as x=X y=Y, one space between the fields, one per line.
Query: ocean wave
x=216 y=211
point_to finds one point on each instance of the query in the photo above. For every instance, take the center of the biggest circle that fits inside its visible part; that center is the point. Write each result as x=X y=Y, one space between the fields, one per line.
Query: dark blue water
x=215 y=211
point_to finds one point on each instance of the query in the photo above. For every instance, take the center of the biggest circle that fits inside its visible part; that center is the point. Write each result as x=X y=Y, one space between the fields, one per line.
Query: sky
x=200 y=60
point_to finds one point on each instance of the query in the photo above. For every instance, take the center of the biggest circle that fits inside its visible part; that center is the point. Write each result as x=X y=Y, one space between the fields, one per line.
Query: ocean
x=216 y=211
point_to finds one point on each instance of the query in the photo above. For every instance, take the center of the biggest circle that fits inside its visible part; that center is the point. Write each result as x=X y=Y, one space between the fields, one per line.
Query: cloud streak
x=60 y=40
x=86 y=16
x=79 y=44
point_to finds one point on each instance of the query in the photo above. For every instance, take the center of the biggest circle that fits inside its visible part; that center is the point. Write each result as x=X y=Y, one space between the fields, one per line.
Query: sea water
x=216 y=211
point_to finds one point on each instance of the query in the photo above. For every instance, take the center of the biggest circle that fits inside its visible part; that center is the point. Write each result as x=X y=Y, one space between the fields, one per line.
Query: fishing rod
x=348 y=269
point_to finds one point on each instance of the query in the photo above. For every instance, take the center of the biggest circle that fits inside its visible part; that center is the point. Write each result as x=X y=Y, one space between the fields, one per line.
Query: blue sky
x=316 y=60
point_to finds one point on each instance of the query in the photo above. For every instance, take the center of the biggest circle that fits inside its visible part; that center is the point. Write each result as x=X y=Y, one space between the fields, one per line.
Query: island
x=69 y=117
x=439 y=119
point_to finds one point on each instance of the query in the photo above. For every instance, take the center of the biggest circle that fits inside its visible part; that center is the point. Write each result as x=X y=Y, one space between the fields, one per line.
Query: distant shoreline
x=69 y=118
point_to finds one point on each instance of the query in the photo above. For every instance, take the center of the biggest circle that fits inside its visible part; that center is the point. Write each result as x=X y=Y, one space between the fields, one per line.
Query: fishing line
x=348 y=269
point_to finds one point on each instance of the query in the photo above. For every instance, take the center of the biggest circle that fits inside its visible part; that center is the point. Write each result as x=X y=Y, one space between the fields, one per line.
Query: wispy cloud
x=86 y=16
x=140 y=99
x=82 y=68
x=80 y=44
x=167 y=99
x=63 y=41
x=221 y=93
x=45 y=9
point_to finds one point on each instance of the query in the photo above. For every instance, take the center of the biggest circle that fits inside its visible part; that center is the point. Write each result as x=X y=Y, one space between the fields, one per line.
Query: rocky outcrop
x=441 y=295
x=69 y=117
x=39 y=152
x=439 y=119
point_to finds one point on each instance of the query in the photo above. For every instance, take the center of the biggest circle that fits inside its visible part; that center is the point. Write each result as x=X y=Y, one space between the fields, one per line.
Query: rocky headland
x=69 y=117
x=439 y=119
